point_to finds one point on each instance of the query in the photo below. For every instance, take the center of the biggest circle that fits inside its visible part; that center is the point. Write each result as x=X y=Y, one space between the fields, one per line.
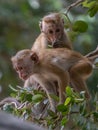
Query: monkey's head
x=24 y=62
x=53 y=26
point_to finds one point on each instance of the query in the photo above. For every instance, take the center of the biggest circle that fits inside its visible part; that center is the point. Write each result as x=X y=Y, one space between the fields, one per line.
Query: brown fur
x=57 y=39
x=53 y=68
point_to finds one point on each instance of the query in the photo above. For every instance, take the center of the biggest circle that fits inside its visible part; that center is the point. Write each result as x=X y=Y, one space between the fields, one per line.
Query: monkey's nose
x=55 y=44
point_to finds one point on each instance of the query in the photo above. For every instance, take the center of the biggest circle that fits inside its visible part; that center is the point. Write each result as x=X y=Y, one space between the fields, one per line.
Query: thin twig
x=93 y=53
x=77 y=3
x=10 y=100
x=69 y=21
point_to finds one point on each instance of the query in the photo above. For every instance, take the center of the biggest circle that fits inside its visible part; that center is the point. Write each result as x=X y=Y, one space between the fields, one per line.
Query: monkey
x=52 y=33
x=53 y=68
x=46 y=81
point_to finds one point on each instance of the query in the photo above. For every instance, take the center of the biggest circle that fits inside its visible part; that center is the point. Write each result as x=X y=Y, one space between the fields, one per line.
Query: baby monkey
x=50 y=65
x=52 y=33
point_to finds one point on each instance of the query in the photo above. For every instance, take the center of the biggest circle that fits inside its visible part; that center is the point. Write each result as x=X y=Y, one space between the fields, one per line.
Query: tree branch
x=77 y=3
x=93 y=53
x=92 y=56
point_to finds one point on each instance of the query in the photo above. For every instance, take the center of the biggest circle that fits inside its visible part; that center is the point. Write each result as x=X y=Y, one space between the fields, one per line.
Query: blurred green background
x=19 y=27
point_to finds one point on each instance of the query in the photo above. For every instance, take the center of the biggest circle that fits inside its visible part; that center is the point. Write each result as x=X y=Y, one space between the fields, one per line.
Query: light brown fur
x=52 y=33
x=53 y=68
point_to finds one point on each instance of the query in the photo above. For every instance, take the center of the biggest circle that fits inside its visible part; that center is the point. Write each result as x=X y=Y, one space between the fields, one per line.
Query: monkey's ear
x=34 y=57
x=40 y=25
x=63 y=21
x=12 y=59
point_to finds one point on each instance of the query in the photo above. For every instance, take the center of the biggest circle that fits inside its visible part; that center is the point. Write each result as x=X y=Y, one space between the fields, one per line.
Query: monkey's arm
x=40 y=43
x=48 y=86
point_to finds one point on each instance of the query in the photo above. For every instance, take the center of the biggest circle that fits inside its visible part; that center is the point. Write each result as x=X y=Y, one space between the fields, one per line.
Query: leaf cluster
x=75 y=113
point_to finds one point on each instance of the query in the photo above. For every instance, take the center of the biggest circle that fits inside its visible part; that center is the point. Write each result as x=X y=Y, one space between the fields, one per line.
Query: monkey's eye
x=20 y=68
x=50 y=31
x=58 y=30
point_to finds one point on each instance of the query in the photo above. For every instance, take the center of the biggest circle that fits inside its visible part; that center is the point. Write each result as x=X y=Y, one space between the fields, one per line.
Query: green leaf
x=62 y=108
x=95 y=115
x=67 y=101
x=88 y=4
x=37 y=98
x=64 y=121
x=93 y=10
x=51 y=113
x=80 y=26
x=56 y=98
x=69 y=91
x=22 y=96
x=38 y=92
x=29 y=97
x=13 y=94
x=50 y=46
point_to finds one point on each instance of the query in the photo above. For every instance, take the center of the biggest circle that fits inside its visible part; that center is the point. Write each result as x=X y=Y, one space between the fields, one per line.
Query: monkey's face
x=24 y=63
x=53 y=31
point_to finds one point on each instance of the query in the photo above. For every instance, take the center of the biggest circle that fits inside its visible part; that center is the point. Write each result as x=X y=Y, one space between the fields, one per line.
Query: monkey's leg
x=49 y=88
x=63 y=83
x=78 y=74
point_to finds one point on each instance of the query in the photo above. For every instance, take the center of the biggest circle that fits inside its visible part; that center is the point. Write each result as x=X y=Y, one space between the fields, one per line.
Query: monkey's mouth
x=23 y=76
x=56 y=44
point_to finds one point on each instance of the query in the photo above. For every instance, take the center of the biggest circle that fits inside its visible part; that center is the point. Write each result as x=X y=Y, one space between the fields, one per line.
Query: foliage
x=75 y=113
x=92 y=7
